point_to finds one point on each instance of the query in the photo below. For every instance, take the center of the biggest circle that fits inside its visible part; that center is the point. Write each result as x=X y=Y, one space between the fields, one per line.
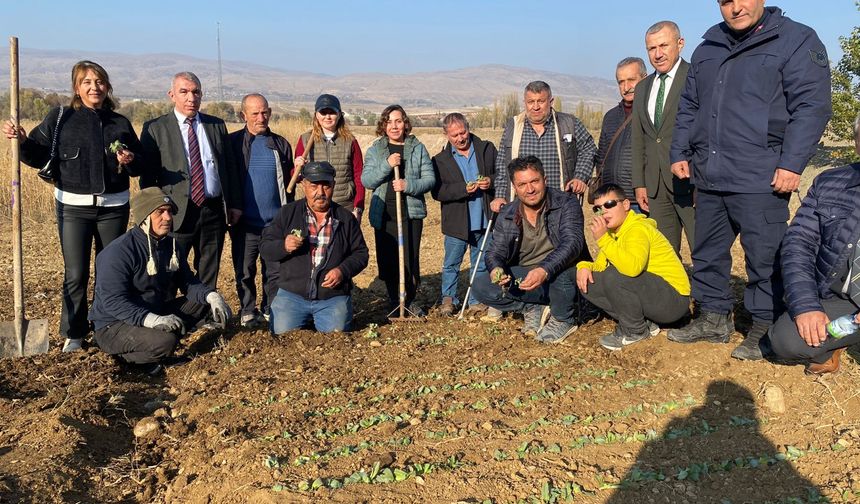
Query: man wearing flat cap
x=135 y=314
x=317 y=247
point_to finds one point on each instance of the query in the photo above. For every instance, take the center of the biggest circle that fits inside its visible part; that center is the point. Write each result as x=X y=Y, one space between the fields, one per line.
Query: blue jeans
x=290 y=311
x=455 y=249
x=560 y=294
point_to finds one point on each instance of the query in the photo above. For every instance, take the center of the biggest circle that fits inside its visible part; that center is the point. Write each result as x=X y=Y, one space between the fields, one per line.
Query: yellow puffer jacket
x=638 y=246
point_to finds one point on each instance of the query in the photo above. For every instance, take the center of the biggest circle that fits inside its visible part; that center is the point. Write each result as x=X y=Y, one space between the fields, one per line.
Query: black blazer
x=167 y=165
x=450 y=187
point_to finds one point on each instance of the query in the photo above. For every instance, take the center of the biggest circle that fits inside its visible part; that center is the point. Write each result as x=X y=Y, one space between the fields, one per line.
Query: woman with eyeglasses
x=396 y=147
x=636 y=278
x=333 y=142
x=94 y=148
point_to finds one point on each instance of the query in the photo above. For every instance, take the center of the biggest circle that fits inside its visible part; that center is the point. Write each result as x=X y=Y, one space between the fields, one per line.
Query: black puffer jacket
x=86 y=164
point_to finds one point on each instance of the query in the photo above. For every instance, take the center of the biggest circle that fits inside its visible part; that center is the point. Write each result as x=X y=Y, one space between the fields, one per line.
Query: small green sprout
x=297 y=233
x=117 y=146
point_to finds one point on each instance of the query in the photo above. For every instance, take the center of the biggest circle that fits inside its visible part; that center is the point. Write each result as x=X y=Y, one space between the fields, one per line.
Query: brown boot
x=831 y=365
x=446 y=309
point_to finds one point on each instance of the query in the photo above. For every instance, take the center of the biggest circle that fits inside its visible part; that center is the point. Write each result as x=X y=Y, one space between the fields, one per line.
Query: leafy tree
x=222 y=110
x=556 y=104
x=305 y=115
x=510 y=107
x=845 y=86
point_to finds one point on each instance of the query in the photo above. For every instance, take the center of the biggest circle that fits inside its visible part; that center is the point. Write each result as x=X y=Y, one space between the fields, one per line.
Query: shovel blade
x=35 y=338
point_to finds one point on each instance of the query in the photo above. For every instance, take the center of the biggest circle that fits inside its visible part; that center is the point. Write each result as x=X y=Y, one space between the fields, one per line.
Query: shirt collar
x=181 y=118
x=455 y=152
x=671 y=73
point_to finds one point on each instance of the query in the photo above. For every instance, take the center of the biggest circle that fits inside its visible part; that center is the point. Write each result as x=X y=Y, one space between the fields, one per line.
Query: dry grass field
x=438 y=411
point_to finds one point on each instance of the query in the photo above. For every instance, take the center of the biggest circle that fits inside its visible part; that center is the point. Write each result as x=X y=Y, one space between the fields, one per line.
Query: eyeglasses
x=608 y=205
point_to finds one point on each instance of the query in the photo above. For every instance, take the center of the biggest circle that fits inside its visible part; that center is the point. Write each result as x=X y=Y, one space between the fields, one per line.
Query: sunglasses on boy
x=608 y=205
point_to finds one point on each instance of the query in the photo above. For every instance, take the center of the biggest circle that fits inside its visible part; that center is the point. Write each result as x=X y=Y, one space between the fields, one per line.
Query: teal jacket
x=418 y=173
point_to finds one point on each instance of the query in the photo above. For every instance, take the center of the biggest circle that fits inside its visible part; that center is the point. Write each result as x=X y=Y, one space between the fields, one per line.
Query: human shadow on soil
x=715 y=454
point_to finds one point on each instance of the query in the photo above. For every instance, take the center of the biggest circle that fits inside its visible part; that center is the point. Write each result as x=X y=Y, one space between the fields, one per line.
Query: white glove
x=220 y=311
x=166 y=323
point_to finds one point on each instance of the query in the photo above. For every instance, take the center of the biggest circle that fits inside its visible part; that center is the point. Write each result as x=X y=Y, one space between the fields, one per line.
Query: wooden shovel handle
x=297 y=171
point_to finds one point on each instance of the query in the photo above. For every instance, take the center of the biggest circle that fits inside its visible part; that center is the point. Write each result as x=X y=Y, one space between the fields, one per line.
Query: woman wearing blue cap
x=333 y=142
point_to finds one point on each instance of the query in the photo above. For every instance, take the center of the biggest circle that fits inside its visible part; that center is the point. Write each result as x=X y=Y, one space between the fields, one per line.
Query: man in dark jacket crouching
x=317 y=247
x=531 y=260
x=135 y=312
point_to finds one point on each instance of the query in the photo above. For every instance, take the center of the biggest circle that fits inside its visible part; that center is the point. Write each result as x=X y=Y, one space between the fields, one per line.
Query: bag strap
x=56 y=133
x=612 y=142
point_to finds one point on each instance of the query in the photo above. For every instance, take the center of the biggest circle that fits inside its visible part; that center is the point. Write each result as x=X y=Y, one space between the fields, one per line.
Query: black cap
x=327 y=101
x=318 y=171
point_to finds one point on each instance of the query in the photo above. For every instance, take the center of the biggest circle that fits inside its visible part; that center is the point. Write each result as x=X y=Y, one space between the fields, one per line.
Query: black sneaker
x=709 y=326
x=751 y=348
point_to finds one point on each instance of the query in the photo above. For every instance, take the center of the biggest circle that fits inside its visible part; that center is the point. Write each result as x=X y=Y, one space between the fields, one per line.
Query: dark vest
x=337 y=152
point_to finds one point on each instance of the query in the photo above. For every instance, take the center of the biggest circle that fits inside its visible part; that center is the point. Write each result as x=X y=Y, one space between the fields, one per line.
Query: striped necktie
x=658 y=108
x=196 y=165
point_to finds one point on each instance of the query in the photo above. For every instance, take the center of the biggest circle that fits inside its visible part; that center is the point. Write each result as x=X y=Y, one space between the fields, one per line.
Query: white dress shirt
x=211 y=182
x=655 y=86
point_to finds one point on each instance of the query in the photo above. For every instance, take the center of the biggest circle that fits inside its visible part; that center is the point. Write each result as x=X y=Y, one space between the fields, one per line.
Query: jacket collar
x=720 y=33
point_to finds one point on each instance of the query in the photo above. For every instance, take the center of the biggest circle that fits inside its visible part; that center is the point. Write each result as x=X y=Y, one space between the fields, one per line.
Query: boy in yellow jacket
x=636 y=278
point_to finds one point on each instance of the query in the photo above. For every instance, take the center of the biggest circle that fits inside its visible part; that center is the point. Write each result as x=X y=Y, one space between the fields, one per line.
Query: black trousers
x=788 y=345
x=387 y=257
x=79 y=228
x=632 y=300
x=142 y=345
x=245 y=248
x=203 y=231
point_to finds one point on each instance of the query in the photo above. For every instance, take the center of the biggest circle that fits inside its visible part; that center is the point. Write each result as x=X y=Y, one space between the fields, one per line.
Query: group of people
x=713 y=148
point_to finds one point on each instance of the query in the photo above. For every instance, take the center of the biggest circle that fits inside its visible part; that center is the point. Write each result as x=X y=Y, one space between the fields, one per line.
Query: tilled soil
x=433 y=411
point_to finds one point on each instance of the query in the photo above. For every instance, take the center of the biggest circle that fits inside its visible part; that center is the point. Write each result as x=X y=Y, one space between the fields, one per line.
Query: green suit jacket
x=167 y=164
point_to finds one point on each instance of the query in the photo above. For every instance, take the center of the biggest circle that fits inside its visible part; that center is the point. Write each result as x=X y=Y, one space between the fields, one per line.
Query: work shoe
x=446 y=309
x=415 y=310
x=653 y=328
x=476 y=308
x=253 y=321
x=555 y=331
x=534 y=317
x=831 y=365
x=612 y=341
x=751 y=347
x=709 y=326
x=72 y=345
x=493 y=315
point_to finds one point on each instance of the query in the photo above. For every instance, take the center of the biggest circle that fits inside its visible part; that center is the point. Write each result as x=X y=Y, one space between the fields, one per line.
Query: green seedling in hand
x=297 y=233
x=117 y=146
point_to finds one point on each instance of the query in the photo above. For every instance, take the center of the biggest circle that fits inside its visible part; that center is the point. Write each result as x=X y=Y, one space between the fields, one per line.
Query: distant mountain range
x=147 y=76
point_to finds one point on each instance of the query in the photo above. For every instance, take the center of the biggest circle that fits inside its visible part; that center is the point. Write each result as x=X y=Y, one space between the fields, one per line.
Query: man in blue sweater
x=135 y=314
x=265 y=160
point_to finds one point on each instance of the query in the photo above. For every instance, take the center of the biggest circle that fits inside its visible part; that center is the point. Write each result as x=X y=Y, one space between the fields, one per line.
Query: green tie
x=658 y=108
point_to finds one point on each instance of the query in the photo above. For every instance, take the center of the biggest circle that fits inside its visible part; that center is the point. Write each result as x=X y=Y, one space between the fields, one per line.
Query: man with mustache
x=317 y=247
x=136 y=316
x=265 y=161
x=756 y=102
x=614 y=156
x=666 y=198
x=636 y=278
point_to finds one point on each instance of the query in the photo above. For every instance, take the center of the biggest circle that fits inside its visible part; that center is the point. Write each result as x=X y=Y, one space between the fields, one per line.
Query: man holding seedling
x=531 y=261
x=318 y=248
x=756 y=101
x=135 y=314
x=636 y=278
x=265 y=160
x=189 y=156
x=464 y=177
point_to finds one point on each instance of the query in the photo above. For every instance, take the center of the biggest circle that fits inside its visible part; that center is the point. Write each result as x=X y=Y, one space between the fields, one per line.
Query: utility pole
x=220 y=82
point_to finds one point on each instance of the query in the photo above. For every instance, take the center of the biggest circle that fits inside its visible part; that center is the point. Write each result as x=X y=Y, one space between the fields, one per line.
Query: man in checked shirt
x=318 y=248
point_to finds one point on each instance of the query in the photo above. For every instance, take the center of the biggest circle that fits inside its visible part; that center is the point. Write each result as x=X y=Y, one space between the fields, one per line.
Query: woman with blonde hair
x=333 y=142
x=397 y=147
x=94 y=149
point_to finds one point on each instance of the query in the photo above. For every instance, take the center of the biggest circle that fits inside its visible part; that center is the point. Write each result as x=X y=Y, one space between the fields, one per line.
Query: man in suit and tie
x=668 y=199
x=189 y=156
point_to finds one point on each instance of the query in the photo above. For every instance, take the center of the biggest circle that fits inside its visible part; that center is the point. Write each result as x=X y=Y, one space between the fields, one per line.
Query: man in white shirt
x=667 y=199
x=188 y=154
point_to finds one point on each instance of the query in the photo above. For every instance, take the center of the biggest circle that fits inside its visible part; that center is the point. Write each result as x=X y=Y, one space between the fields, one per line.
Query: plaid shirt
x=318 y=238
x=545 y=149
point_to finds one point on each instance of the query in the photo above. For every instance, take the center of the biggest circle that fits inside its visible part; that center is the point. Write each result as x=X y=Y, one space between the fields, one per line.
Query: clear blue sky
x=339 y=36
